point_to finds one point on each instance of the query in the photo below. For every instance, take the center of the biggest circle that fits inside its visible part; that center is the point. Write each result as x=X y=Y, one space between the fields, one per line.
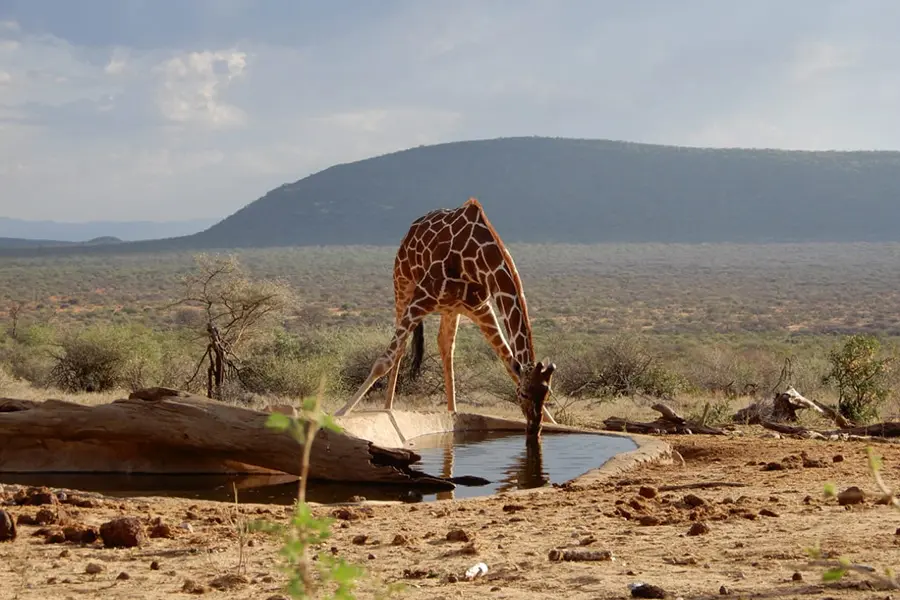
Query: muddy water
x=500 y=457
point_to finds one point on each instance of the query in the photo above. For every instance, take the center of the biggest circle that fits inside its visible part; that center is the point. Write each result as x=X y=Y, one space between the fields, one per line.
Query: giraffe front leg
x=413 y=314
x=486 y=319
x=447 y=345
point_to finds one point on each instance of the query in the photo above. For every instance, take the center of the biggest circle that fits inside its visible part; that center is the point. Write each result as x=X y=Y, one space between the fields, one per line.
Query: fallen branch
x=890 y=429
x=703 y=485
x=670 y=422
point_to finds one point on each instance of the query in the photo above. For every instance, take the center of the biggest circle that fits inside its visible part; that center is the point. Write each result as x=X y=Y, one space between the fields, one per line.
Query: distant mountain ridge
x=552 y=190
x=59 y=231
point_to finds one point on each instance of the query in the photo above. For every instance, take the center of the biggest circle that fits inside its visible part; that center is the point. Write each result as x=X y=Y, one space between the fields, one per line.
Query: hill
x=55 y=232
x=575 y=191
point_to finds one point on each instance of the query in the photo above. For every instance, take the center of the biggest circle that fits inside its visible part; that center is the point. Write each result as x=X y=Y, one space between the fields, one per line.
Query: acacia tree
x=237 y=308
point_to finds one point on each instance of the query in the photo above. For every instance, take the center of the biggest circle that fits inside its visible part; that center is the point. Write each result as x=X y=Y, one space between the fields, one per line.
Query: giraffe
x=453 y=262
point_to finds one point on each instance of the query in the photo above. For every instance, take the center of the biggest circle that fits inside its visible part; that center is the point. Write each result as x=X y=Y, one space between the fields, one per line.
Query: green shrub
x=860 y=376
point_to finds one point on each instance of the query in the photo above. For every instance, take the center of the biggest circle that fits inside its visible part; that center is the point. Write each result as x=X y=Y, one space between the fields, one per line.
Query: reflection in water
x=502 y=457
x=527 y=470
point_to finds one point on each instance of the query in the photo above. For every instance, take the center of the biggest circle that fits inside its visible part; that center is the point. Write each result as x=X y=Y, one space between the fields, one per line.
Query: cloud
x=136 y=109
x=193 y=84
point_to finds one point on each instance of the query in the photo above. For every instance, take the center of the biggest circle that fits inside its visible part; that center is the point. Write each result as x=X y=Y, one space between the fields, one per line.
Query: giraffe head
x=532 y=393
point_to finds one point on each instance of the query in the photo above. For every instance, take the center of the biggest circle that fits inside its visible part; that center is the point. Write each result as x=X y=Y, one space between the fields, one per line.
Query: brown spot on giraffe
x=453 y=262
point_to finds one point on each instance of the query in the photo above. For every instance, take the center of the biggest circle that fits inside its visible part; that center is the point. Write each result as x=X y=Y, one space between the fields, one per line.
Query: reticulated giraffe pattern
x=453 y=262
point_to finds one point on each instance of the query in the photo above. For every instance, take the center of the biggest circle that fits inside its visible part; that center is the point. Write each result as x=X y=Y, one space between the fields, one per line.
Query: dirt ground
x=752 y=540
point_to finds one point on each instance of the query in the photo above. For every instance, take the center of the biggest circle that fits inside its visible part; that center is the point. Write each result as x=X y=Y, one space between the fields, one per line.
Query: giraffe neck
x=510 y=300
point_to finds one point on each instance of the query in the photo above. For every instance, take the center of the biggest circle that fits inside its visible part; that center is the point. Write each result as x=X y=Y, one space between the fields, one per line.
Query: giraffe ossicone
x=453 y=262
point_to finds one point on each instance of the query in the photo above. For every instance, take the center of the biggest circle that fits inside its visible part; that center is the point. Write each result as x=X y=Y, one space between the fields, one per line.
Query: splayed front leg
x=447 y=345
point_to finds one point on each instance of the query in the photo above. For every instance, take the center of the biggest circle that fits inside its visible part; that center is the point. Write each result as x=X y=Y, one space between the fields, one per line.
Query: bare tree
x=237 y=309
x=15 y=312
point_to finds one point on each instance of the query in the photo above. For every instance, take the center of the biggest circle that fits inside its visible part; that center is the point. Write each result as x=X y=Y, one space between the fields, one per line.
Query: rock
x=124 y=532
x=698 y=528
x=649 y=521
x=646 y=590
x=457 y=535
x=647 y=491
x=837 y=458
x=161 y=530
x=7 y=527
x=512 y=508
x=229 y=581
x=797 y=577
x=24 y=519
x=81 y=534
x=400 y=540
x=45 y=516
x=345 y=514
x=371 y=557
x=123 y=576
x=187 y=527
x=192 y=587
x=693 y=500
x=766 y=512
x=359 y=540
x=724 y=591
x=54 y=536
x=852 y=495
x=773 y=466
x=93 y=569
x=35 y=497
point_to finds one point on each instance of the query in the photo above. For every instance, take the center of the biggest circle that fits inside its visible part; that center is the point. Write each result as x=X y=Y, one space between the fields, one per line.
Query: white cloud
x=5 y=78
x=9 y=25
x=118 y=62
x=193 y=84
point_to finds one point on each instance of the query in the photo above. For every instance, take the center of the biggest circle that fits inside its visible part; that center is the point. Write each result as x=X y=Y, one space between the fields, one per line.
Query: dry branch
x=669 y=422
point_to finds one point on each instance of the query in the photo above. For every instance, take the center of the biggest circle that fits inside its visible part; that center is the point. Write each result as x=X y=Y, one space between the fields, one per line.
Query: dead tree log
x=669 y=422
x=784 y=408
x=889 y=429
x=161 y=430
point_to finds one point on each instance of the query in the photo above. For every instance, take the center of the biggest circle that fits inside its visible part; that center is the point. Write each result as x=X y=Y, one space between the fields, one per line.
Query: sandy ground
x=754 y=547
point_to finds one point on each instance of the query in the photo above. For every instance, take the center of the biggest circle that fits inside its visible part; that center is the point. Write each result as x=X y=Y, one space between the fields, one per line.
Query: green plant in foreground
x=304 y=531
x=836 y=569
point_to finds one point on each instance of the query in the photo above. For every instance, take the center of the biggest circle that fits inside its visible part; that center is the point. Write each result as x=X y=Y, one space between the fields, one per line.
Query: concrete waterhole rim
x=399 y=429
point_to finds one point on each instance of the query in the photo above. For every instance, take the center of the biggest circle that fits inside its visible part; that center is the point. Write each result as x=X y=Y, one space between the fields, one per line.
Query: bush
x=621 y=367
x=103 y=358
x=860 y=377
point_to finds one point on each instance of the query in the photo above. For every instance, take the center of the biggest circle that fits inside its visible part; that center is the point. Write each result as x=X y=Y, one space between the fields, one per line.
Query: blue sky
x=164 y=109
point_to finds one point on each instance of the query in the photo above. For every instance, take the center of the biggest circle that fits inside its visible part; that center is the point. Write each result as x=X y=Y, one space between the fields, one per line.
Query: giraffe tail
x=418 y=350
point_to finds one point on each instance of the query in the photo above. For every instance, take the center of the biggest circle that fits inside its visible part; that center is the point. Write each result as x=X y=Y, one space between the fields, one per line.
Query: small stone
x=512 y=508
x=796 y=577
x=192 y=587
x=123 y=576
x=837 y=458
x=645 y=590
x=81 y=534
x=185 y=526
x=647 y=491
x=371 y=556
x=773 y=466
x=649 y=521
x=161 y=530
x=93 y=569
x=45 y=516
x=7 y=527
x=724 y=591
x=698 y=528
x=229 y=581
x=154 y=566
x=694 y=501
x=251 y=543
x=400 y=540
x=360 y=539
x=457 y=535
x=65 y=553
x=768 y=513
x=852 y=495
x=345 y=514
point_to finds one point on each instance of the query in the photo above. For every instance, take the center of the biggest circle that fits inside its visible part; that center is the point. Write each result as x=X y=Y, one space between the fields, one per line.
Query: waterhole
x=500 y=457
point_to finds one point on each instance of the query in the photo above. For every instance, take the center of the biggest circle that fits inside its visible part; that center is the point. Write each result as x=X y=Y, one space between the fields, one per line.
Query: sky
x=176 y=109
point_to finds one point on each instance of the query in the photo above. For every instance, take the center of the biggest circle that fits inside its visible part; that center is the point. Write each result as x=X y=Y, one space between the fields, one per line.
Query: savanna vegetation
x=697 y=324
